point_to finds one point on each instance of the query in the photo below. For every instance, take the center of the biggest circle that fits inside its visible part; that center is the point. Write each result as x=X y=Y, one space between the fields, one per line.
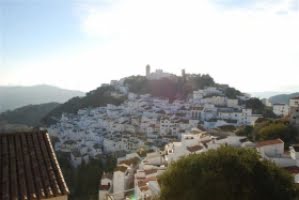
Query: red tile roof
x=150 y=171
x=194 y=148
x=292 y=169
x=29 y=167
x=269 y=142
x=105 y=187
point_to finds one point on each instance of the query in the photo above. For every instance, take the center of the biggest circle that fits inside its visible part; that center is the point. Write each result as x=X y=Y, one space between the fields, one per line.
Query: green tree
x=276 y=129
x=245 y=131
x=199 y=81
x=96 y=98
x=256 y=105
x=226 y=173
x=231 y=92
x=137 y=84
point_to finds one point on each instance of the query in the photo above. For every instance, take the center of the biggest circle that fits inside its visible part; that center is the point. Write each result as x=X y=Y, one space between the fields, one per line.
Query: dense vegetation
x=96 y=98
x=176 y=88
x=271 y=129
x=28 y=115
x=226 y=173
x=83 y=181
x=231 y=92
x=258 y=107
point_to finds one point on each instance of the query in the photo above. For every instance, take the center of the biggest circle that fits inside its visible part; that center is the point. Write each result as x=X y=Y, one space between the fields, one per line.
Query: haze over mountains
x=12 y=97
x=282 y=98
x=267 y=94
x=276 y=97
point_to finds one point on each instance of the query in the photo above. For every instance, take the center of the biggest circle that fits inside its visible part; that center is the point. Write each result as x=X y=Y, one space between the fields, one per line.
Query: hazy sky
x=252 y=45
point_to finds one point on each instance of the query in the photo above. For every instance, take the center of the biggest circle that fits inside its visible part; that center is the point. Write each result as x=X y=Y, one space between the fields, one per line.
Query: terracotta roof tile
x=150 y=171
x=292 y=169
x=29 y=167
x=105 y=187
x=269 y=142
x=194 y=148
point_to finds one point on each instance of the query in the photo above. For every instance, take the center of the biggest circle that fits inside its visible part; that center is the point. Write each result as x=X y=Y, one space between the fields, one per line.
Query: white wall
x=118 y=185
x=271 y=150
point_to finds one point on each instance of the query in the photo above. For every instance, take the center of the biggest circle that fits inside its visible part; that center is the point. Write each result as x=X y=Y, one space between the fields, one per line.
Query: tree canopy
x=226 y=173
x=276 y=129
x=95 y=98
x=30 y=115
x=83 y=181
x=258 y=107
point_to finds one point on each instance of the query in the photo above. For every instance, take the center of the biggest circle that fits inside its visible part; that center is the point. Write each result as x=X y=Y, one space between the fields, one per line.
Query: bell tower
x=148 y=70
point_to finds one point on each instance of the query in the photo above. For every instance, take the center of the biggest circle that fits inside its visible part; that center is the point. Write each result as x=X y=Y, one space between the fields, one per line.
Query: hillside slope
x=282 y=98
x=96 y=98
x=28 y=115
x=177 y=88
x=15 y=97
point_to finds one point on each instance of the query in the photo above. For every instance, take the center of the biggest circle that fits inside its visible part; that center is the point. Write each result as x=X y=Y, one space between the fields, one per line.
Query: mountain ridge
x=29 y=115
x=282 y=98
x=12 y=97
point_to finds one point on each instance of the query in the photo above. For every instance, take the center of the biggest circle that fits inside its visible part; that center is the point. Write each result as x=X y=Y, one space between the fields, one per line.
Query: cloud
x=196 y=35
x=275 y=6
x=251 y=49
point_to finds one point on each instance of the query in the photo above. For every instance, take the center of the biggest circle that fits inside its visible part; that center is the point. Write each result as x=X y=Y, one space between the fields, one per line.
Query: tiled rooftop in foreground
x=29 y=168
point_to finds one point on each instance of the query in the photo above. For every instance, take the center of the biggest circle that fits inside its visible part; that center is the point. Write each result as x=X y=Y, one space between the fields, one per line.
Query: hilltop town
x=145 y=121
x=147 y=133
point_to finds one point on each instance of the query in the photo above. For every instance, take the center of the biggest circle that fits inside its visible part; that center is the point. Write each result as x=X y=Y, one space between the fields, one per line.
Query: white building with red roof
x=271 y=148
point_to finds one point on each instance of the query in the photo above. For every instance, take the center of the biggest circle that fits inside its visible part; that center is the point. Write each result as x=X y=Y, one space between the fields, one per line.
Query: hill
x=282 y=98
x=30 y=115
x=96 y=98
x=266 y=94
x=15 y=97
x=174 y=88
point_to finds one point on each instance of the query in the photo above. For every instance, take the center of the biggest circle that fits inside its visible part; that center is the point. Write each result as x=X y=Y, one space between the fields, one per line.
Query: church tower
x=148 y=70
x=184 y=74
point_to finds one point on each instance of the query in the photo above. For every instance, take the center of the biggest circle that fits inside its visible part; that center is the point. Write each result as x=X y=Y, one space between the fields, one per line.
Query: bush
x=226 y=173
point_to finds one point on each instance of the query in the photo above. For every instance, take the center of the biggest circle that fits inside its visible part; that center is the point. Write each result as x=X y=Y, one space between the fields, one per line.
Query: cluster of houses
x=287 y=110
x=143 y=121
x=138 y=177
x=156 y=124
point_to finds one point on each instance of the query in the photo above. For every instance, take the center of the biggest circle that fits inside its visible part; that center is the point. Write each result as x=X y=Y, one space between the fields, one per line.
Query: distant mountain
x=30 y=115
x=15 y=97
x=282 y=98
x=266 y=94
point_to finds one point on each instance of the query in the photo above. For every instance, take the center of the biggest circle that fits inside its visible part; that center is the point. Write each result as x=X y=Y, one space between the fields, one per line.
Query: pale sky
x=252 y=45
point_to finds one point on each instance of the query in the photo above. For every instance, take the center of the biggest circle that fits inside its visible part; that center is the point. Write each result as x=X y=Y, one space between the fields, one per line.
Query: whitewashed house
x=281 y=109
x=232 y=103
x=294 y=111
x=105 y=186
x=270 y=148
